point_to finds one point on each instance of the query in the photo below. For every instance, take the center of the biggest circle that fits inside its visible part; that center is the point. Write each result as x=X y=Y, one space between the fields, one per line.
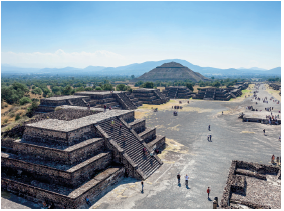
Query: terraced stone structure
x=275 y=86
x=64 y=161
x=220 y=94
x=96 y=99
x=170 y=72
x=150 y=96
x=252 y=186
x=181 y=92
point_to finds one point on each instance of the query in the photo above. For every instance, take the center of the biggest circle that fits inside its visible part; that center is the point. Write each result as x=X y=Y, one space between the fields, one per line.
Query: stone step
x=132 y=146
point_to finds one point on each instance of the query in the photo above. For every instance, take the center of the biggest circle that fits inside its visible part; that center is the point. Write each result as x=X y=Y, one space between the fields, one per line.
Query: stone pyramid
x=172 y=71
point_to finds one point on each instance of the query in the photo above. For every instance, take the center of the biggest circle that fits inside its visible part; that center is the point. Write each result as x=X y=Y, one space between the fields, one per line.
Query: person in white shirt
x=186 y=180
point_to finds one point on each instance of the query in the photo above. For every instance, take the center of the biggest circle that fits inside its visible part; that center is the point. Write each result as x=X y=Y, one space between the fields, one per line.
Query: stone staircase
x=161 y=96
x=124 y=99
x=133 y=146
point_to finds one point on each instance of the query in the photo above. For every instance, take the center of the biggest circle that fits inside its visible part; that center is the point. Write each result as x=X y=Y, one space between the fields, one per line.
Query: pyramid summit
x=172 y=71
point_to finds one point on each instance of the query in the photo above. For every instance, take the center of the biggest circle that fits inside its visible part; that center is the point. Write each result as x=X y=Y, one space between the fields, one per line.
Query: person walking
x=186 y=180
x=272 y=159
x=208 y=191
x=209 y=127
x=210 y=137
x=264 y=131
x=142 y=184
x=178 y=177
x=222 y=112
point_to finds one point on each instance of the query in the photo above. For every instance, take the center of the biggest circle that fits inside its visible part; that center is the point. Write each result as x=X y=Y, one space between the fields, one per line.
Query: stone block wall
x=45 y=135
x=70 y=155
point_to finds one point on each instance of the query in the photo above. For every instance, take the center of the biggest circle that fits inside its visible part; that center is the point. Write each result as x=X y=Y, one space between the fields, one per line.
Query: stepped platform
x=150 y=96
x=61 y=196
x=68 y=150
x=68 y=175
x=177 y=92
x=95 y=99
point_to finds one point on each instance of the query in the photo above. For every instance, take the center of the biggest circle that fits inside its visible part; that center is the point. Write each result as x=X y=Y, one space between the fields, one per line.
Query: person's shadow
x=209 y=199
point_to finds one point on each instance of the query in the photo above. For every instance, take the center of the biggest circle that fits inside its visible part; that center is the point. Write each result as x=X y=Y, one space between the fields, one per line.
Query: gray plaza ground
x=188 y=152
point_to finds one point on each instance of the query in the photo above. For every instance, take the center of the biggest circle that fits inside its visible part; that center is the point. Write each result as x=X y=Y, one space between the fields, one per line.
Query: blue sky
x=79 y=34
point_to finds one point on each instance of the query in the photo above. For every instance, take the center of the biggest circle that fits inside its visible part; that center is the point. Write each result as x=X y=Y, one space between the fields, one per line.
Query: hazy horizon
x=111 y=34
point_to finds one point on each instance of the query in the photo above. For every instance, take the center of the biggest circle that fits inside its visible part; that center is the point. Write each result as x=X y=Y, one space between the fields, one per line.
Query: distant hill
x=172 y=71
x=139 y=69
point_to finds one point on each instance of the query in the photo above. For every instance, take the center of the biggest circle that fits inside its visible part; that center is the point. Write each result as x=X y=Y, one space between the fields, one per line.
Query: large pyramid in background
x=172 y=71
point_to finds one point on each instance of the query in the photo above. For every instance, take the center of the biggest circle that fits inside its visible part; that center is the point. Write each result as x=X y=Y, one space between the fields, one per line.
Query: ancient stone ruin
x=252 y=186
x=170 y=72
x=96 y=99
x=150 y=96
x=181 y=92
x=224 y=94
x=64 y=158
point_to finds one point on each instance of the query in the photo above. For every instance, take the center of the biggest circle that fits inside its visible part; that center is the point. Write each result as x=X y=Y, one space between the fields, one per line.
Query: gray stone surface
x=206 y=163
x=66 y=126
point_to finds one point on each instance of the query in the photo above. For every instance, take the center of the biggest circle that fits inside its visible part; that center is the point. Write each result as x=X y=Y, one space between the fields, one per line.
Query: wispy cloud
x=61 y=58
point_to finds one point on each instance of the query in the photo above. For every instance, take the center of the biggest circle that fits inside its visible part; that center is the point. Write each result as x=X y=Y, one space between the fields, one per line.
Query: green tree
x=139 y=83
x=121 y=87
x=217 y=84
x=67 y=90
x=37 y=91
x=98 y=88
x=89 y=89
x=149 y=85
x=25 y=100
x=132 y=76
x=107 y=87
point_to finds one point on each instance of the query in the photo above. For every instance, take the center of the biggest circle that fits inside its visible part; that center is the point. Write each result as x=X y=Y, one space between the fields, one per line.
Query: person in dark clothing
x=178 y=177
x=264 y=131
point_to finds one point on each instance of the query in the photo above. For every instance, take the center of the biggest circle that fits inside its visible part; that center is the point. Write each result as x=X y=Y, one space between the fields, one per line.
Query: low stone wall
x=92 y=189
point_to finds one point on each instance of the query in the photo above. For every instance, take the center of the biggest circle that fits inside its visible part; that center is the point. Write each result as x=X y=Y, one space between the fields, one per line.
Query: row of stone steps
x=132 y=146
x=126 y=100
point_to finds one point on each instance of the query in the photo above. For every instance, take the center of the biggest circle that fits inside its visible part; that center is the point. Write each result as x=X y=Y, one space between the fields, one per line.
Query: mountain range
x=139 y=69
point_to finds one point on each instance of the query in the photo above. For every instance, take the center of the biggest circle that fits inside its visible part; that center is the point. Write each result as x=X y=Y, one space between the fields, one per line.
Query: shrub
x=98 y=88
x=18 y=116
x=25 y=100
x=12 y=114
x=5 y=121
